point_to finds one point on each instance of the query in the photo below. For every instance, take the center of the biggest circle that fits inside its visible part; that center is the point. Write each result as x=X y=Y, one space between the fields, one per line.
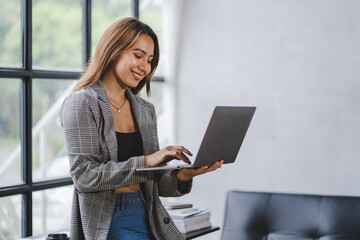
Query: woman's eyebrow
x=143 y=51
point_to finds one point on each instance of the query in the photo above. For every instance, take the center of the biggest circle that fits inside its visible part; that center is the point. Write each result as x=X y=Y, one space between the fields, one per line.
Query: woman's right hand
x=167 y=154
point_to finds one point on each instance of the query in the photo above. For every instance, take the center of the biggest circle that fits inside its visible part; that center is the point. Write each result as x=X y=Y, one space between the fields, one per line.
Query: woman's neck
x=115 y=92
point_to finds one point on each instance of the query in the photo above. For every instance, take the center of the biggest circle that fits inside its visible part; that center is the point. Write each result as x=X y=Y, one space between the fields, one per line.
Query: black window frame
x=26 y=73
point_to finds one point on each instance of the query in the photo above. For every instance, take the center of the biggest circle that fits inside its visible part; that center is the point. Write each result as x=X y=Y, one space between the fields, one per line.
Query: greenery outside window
x=10 y=32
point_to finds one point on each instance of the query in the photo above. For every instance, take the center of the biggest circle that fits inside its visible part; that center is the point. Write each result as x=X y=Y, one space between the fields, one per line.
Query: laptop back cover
x=224 y=135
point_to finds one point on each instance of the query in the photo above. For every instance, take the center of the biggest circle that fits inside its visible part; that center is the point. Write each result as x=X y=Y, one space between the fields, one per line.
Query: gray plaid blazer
x=90 y=137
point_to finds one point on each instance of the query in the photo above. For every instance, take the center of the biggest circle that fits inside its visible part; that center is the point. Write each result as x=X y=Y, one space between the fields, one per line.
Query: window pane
x=151 y=14
x=10 y=148
x=52 y=210
x=57 y=36
x=104 y=13
x=10 y=32
x=157 y=98
x=10 y=217
x=48 y=147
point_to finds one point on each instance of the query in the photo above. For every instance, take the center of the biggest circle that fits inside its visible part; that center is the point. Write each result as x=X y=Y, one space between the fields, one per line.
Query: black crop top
x=129 y=145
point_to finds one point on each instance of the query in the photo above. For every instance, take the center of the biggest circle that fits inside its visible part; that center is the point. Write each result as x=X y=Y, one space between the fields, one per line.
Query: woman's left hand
x=187 y=174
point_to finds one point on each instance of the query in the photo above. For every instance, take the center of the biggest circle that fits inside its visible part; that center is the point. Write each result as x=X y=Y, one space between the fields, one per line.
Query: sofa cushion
x=275 y=216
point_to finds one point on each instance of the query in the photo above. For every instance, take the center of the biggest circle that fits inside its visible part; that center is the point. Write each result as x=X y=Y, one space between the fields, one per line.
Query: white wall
x=298 y=61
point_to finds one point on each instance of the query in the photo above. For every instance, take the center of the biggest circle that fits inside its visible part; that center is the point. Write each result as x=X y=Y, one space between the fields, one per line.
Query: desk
x=198 y=233
x=43 y=236
x=189 y=235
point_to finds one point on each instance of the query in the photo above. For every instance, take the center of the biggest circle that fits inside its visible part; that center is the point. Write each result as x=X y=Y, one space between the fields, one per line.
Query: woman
x=109 y=132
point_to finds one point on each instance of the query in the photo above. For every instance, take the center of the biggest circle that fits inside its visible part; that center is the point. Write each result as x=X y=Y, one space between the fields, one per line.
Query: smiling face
x=134 y=63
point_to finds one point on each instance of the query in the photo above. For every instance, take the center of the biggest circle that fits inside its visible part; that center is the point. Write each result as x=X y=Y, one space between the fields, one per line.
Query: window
x=151 y=13
x=44 y=46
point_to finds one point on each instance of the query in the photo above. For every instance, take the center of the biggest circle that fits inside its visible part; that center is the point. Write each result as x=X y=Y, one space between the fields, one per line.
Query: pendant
x=118 y=110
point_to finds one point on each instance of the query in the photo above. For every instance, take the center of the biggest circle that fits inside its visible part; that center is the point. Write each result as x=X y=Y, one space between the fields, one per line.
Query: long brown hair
x=119 y=36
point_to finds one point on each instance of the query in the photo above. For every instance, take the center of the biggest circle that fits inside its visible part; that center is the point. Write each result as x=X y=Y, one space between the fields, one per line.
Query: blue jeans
x=128 y=221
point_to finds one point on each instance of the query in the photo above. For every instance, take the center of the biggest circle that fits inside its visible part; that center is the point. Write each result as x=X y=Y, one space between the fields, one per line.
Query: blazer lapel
x=109 y=125
x=142 y=117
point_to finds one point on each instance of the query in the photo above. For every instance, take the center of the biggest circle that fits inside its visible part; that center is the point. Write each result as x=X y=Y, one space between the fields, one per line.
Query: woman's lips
x=136 y=75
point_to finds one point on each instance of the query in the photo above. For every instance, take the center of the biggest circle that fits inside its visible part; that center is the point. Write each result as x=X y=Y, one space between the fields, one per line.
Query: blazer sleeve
x=169 y=186
x=166 y=179
x=89 y=169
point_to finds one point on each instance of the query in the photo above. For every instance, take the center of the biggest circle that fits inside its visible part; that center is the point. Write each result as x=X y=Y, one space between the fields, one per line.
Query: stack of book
x=188 y=218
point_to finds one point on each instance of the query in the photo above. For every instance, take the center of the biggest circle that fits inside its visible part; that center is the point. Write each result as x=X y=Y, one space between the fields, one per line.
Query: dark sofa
x=274 y=216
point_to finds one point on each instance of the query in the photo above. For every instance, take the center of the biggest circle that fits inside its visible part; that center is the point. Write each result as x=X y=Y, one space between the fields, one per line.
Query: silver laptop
x=222 y=141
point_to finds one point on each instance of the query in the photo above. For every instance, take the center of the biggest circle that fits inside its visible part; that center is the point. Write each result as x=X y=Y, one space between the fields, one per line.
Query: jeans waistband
x=130 y=197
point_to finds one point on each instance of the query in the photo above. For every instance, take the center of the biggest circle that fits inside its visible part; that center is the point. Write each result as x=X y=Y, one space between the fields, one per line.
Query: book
x=186 y=215
x=192 y=221
x=176 y=205
x=181 y=211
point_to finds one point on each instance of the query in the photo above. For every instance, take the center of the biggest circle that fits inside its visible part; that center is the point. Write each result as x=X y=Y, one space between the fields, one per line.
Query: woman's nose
x=145 y=67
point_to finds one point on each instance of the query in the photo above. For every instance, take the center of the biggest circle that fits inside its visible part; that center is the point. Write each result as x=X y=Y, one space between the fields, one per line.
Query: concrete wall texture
x=298 y=62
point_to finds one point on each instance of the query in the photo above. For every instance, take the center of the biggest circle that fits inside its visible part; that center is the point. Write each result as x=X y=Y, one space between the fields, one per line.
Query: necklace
x=118 y=108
